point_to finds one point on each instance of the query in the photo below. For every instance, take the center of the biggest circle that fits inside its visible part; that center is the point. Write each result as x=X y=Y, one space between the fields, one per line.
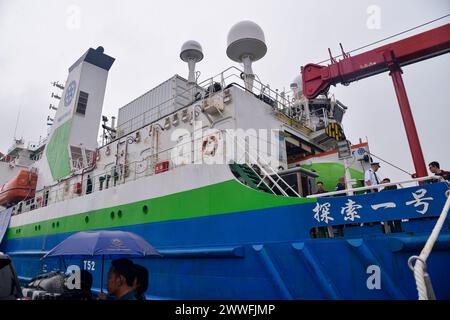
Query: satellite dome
x=191 y=50
x=246 y=38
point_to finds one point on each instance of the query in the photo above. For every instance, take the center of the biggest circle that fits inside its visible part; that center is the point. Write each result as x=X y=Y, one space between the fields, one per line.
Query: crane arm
x=317 y=79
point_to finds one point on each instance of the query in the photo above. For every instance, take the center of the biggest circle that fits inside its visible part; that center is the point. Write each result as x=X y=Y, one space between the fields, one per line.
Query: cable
x=393 y=165
x=390 y=37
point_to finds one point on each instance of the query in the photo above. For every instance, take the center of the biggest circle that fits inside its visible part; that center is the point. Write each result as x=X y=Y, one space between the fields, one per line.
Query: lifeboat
x=19 y=188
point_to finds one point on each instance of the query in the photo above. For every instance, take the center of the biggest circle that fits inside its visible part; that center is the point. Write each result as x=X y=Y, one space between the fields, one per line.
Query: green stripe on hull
x=225 y=197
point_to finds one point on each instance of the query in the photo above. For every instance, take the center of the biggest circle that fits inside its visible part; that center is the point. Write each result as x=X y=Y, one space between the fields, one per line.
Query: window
x=90 y=157
x=82 y=102
x=77 y=157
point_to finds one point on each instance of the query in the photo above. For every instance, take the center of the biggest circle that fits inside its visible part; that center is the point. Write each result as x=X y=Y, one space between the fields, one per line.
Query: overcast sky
x=39 y=40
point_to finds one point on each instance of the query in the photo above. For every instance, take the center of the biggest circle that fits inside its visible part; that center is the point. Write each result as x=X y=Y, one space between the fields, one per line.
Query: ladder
x=250 y=177
x=266 y=172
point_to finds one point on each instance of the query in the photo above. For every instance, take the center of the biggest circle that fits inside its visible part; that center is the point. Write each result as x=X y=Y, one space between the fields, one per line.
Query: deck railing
x=117 y=174
x=280 y=102
x=381 y=186
x=113 y=176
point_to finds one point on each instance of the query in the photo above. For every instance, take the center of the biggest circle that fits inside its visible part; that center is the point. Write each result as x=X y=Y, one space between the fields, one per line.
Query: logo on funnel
x=70 y=92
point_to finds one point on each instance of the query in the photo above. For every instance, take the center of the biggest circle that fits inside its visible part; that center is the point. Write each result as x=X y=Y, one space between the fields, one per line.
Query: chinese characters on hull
x=419 y=200
x=351 y=211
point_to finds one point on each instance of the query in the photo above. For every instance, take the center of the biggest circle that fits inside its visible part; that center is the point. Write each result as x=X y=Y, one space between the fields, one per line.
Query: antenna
x=191 y=52
x=58 y=85
x=17 y=121
x=246 y=44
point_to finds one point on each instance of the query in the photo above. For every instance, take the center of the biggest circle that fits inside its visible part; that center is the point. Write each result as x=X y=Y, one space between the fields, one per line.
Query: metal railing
x=116 y=175
x=85 y=182
x=122 y=173
x=268 y=173
x=377 y=187
x=281 y=103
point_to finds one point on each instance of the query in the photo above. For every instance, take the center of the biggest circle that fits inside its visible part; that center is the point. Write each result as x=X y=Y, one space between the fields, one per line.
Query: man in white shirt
x=371 y=177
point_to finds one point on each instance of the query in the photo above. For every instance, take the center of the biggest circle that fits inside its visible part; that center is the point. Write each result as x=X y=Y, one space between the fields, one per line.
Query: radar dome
x=191 y=50
x=246 y=38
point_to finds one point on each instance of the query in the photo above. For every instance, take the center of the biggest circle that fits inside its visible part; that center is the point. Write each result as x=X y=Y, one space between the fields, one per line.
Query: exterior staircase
x=250 y=177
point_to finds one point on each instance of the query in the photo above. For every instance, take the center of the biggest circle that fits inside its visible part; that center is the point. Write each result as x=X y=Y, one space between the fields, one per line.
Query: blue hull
x=264 y=254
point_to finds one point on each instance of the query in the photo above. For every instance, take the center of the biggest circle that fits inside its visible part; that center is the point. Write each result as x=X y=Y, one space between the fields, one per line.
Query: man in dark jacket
x=121 y=277
x=141 y=281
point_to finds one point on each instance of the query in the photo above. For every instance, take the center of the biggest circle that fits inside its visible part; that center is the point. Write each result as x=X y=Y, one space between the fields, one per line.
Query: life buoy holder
x=210 y=145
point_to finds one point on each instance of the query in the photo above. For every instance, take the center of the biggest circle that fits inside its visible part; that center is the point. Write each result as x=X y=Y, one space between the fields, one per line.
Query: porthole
x=119 y=213
x=86 y=219
x=112 y=215
x=145 y=209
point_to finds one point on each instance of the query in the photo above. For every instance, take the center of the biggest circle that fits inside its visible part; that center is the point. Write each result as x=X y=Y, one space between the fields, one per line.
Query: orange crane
x=391 y=57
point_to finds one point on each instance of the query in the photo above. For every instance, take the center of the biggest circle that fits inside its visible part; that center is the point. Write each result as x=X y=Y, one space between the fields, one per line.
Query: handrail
x=263 y=170
x=281 y=100
x=333 y=193
x=124 y=170
x=58 y=194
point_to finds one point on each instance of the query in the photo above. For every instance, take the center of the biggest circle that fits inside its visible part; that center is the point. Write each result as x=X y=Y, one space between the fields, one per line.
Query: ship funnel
x=75 y=123
x=191 y=52
x=246 y=44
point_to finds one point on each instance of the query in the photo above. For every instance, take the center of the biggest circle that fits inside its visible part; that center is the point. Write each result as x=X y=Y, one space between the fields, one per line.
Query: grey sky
x=38 y=44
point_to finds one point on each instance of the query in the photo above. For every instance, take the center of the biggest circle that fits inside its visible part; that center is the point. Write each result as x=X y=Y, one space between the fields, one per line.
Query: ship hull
x=267 y=254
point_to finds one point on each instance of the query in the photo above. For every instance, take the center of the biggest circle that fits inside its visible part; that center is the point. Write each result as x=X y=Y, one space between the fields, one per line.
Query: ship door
x=121 y=171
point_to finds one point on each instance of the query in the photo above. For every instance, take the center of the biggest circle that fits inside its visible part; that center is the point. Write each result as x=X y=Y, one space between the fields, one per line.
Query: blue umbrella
x=101 y=243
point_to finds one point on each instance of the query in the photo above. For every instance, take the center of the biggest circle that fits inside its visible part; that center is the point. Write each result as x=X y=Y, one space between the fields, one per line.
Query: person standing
x=385 y=181
x=121 y=277
x=371 y=177
x=320 y=188
x=340 y=186
x=141 y=282
x=436 y=169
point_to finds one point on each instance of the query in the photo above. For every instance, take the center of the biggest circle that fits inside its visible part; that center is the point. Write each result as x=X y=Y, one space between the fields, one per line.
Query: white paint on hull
x=176 y=180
